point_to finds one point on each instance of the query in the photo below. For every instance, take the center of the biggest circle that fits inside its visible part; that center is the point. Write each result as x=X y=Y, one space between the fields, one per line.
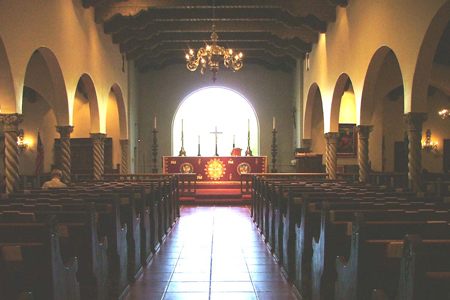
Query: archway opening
x=206 y=110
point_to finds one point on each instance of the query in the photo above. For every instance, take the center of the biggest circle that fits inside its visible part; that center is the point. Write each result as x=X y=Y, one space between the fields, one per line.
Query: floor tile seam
x=175 y=265
x=248 y=269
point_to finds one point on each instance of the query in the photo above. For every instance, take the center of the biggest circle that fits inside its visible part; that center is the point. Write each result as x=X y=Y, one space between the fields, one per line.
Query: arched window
x=207 y=109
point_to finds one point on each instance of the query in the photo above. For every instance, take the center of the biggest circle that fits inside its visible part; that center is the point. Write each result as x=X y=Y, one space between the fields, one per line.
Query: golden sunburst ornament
x=215 y=169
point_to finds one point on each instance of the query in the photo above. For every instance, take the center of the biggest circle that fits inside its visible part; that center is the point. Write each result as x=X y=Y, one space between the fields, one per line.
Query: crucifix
x=216 y=133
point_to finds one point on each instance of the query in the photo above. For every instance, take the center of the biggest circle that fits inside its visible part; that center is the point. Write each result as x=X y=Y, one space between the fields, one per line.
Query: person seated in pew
x=56 y=180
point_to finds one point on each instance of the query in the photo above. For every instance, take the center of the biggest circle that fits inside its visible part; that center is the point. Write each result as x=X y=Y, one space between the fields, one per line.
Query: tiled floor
x=212 y=253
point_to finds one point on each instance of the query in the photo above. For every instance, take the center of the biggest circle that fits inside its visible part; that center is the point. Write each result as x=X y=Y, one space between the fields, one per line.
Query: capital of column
x=124 y=143
x=415 y=120
x=64 y=131
x=98 y=138
x=11 y=121
x=364 y=131
x=332 y=137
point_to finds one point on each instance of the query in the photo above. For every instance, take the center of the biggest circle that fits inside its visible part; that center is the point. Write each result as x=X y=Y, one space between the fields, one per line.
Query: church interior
x=223 y=149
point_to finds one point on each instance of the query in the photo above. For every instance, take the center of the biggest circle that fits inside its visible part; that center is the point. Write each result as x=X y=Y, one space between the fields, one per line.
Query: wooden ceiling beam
x=278 y=29
x=323 y=9
x=236 y=46
x=225 y=37
x=144 y=18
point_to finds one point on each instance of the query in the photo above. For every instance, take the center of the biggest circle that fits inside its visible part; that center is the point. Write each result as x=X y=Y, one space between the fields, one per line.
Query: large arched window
x=207 y=109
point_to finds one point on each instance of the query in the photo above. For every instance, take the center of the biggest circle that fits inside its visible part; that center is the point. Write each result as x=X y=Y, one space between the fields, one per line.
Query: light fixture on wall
x=428 y=144
x=212 y=55
x=444 y=113
x=21 y=143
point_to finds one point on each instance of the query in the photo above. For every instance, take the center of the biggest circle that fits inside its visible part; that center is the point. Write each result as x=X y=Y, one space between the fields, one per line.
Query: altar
x=215 y=168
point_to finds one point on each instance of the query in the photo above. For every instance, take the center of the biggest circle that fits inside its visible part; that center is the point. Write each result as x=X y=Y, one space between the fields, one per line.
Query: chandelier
x=212 y=55
x=444 y=113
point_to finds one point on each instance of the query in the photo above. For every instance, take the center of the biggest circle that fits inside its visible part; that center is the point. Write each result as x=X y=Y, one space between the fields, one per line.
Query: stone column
x=415 y=122
x=64 y=132
x=331 y=153
x=307 y=144
x=11 y=123
x=124 y=145
x=363 y=151
x=98 y=140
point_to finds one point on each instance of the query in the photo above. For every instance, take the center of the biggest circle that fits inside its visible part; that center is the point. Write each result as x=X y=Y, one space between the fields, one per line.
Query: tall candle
x=199 y=140
x=181 y=124
x=234 y=138
x=216 y=128
x=273 y=123
x=154 y=126
x=249 y=125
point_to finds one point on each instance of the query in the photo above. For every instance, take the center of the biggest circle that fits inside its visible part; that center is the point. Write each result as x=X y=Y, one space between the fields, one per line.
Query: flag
x=39 y=156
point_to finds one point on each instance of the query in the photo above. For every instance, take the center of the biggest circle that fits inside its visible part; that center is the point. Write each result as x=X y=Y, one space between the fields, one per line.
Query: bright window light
x=207 y=108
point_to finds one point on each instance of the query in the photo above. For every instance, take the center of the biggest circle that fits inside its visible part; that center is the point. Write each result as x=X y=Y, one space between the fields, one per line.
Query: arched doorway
x=314 y=122
x=215 y=107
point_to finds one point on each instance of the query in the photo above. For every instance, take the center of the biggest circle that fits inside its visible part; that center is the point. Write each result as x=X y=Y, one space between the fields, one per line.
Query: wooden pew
x=39 y=266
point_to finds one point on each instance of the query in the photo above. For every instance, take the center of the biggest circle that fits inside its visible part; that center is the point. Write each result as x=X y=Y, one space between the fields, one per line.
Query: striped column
x=98 y=141
x=363 y=151
x=331 y=153
x=124 y=145
x=64 y=132
x=415 y=122
x=11 y=123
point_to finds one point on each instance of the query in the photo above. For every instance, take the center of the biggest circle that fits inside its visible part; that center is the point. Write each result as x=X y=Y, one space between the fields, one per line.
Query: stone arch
x=342 y=84
x=383 y=60
x=8 y=100
x=314 y=92
x=425 y=59
x=44 y=75
x=123 y=120
x=85 y=106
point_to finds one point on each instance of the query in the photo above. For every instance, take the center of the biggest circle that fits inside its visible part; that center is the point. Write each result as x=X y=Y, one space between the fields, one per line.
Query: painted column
x=64 y=132
x=98 y=140
x=415 y=122
x=11 y=123
x=331 y=153
x=124 y=145
x=363 y=151
x=307 y=144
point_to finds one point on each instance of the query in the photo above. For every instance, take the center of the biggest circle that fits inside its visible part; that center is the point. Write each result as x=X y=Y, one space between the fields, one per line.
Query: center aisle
x=212 y=253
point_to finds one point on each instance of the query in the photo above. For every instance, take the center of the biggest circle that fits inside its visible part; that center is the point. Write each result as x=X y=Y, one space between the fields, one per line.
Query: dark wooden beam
x=280 y=30
x=236 y=46
x=225 y=37
x=152 y=15
x=322 y=9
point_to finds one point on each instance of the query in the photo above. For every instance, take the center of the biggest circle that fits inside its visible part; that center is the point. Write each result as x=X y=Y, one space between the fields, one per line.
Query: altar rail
x=246 y=179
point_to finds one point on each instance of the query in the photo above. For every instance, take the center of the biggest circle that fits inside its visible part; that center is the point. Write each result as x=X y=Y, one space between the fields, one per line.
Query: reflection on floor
x=212 y=253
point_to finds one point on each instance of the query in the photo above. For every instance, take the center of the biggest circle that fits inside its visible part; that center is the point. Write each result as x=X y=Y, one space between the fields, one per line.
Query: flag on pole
x=39 y=156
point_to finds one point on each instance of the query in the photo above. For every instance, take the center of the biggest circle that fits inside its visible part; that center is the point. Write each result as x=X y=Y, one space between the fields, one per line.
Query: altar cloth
x=215 y=168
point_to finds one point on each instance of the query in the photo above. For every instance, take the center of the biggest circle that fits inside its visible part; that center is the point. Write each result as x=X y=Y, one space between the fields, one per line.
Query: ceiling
x=157 y=33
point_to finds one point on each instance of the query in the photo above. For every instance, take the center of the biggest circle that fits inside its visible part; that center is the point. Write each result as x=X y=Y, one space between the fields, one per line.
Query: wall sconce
x=21 y=143
x=444 y=113
x=428 y=144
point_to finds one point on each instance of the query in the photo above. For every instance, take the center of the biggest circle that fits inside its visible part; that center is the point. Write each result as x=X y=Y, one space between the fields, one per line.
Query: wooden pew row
x=109 y=225
x=37 y=266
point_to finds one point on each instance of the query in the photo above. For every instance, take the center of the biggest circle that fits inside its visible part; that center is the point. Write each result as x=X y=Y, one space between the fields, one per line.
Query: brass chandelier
x=212 y=55
x=444 y=113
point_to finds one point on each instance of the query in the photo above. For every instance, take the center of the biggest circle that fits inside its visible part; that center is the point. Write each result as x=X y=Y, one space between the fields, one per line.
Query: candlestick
x=234 y=141
x=155 y=150
x=198 y=146
x=154 y=125
x=182 y=151
x=274 y=150
x=273 y=123
x=248 y=152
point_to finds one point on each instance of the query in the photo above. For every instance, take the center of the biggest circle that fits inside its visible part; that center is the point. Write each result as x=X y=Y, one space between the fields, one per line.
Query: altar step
x=217 y=193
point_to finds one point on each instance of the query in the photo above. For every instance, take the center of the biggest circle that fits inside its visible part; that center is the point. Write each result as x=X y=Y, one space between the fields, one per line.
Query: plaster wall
x=271 y=93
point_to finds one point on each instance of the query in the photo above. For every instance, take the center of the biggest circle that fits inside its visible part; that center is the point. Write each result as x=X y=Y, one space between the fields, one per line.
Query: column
x=307 y=144
x=331 y=153
x=11 y=123
x=415 y=122
x=98 y=140
x=64 y=132
x=363 y=151
x=124 y=145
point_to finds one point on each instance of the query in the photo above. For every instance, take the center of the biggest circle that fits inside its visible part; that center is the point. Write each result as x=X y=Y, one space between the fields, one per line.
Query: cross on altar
x=216 y=133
